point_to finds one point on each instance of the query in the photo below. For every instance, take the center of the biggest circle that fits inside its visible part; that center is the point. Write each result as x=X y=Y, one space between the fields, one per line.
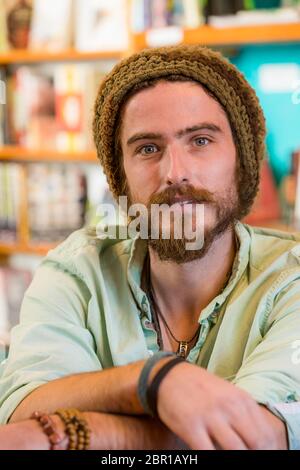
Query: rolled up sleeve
x=52 y=339
x=271 y=372
x=290 y=414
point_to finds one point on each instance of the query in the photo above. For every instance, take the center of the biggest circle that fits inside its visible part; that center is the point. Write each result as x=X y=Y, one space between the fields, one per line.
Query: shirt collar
x=137 y=256
x=238 y=268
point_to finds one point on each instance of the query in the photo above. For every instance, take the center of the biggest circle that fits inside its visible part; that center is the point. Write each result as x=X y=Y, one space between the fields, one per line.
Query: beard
x=174 y=249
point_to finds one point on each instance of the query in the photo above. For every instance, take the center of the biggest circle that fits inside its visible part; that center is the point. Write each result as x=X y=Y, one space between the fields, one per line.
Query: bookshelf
x=23 y=156
x=206 y=35
x=41 y=249
x=211 y=36
x=20 y=154
x=22 y=244
x=27 y=56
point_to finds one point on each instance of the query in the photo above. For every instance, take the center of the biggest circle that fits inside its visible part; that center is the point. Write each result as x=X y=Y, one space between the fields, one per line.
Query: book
x=9 y=201
x=193 y=14
x=57 y=200
x=32 y=107
x=3 y=28
x=101 y=25
x=149 y=14
x=52 y=23
x=97 y=193
x=255 y=17
x=2 y=124
x=137 y=16
x=160 y=16
x=75 y=93
x=177 y=13
x=2 y=106
x=62 y=197
x=9 y=131
x=51 y=107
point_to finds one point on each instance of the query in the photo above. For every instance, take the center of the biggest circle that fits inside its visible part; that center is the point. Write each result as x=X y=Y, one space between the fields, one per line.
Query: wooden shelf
x=17 y=248
x=15 y=153
x=255 y=34
x=206 y=35
x=29 y=56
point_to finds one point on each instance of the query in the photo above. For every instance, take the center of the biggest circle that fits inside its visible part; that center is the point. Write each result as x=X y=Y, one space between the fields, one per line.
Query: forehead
x=171 y=103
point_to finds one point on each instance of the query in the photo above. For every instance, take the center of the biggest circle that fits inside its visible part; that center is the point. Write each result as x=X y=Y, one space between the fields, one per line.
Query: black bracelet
x=152 y=390
x=144 y=377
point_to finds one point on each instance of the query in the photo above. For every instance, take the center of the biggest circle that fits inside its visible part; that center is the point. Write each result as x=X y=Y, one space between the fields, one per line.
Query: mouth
x=182 y=201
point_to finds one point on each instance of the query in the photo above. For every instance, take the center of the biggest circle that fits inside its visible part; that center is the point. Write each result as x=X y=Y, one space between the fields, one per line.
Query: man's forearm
x=114 y=432
x=108 y=431
x=109 y=391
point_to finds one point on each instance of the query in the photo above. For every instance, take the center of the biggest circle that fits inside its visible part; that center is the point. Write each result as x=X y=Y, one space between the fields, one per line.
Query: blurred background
x=53 y=56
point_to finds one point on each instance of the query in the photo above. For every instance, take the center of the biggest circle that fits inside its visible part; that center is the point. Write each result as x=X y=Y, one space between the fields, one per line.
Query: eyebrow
x=154 y=135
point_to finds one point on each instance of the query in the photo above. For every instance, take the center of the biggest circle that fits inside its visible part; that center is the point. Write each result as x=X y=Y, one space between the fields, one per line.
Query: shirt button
x=145 y=308
x=150 y=352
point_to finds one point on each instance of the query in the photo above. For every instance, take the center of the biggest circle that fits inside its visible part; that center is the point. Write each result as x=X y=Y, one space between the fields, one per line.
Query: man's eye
x=200 y=141
x=147 y=149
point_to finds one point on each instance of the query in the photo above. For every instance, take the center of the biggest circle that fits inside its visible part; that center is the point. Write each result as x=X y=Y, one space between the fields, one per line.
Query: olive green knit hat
x=205 y=66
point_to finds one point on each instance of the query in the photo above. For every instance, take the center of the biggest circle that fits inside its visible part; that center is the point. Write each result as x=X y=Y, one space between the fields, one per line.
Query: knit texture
x=205 y=66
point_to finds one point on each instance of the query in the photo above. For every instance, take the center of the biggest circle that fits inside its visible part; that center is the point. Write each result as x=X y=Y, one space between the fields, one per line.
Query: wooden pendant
x=182 y=350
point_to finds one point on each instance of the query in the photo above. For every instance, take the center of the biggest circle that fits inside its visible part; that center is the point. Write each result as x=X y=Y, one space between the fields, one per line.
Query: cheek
x=130 y=172
x=141 y=180
x=221 y=173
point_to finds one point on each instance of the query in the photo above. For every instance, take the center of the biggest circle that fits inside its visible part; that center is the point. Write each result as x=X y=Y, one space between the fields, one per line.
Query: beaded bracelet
x=57 y=440
x=77 y=429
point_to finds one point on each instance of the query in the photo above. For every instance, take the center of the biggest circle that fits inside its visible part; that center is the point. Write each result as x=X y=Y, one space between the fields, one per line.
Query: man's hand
x=207 y=412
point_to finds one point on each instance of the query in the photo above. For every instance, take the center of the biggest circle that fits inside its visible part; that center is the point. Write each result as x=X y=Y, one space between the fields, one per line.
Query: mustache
x=170 y=195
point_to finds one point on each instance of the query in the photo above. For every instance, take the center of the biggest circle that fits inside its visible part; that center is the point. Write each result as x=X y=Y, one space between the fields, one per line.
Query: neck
x=189 y=287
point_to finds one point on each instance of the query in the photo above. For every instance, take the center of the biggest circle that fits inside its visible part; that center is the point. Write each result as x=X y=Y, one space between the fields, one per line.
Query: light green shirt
x=85 y=310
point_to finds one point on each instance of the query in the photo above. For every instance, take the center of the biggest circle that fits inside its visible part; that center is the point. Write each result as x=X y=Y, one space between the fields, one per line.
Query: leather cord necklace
x=183 y=345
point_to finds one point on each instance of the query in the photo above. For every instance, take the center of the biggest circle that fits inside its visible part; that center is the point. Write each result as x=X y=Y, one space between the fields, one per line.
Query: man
x=181 y=126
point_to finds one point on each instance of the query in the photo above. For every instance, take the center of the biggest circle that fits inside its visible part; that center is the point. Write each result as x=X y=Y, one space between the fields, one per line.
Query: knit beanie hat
x=217 y=75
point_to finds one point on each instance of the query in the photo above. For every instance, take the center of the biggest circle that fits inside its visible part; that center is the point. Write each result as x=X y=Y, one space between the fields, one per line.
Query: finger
x=200 y=441
x=225 y=437
x=251 y=427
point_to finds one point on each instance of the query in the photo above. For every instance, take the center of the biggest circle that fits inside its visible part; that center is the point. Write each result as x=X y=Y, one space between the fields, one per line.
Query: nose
x=176 y=166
